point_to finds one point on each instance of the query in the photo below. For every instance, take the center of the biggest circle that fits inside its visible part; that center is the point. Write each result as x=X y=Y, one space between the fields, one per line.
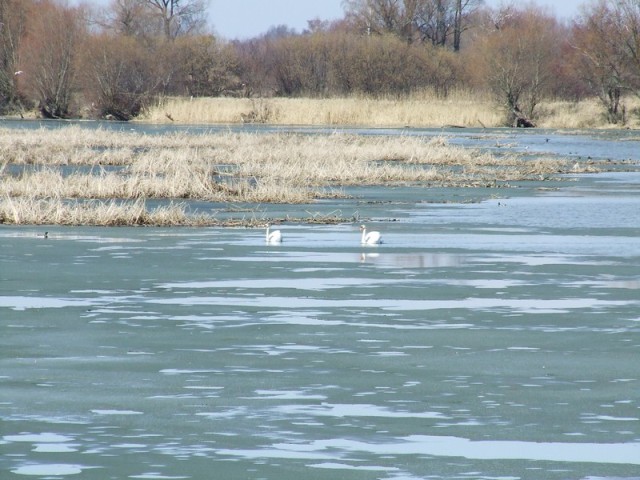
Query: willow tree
x=606 y=38
x=54 y=33
x=518 y=59
x=13 y=19
x=439 y=22
x=178 y=17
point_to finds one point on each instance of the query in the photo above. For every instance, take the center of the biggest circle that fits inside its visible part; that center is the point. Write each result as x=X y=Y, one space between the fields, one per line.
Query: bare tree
x=147 y=19
x=383 y=16
x=607 y=40
x=628 y=15
x=463 y=11
x=517 y=61
x=13 y=16
x=131 y=18
x=207 y=67
x=117 y=76
x=600 y=60
x=439 y=22
x=442 y=22
x=53 y=35
x=178 y=17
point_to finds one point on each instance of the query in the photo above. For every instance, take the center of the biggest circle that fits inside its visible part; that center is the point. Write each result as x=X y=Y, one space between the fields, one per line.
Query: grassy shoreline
x=425 y=110
x=459 y=110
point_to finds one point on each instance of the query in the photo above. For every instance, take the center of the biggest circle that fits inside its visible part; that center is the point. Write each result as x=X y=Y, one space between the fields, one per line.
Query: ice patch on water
x=177 y=371
x=611 y=478
x=528 y=305
x=63 y=420
x=286 y=395
x=344 y=466
x=608 y=418
x=55 y=448
x=353 y=410
x=629 y=284
x=24 y=303
x=226 y=414
x=156 y=476
x=116 y=412
x=546 y=260
x=38 y=438
x=53 y=469
x=309 y=283
x=603 y=453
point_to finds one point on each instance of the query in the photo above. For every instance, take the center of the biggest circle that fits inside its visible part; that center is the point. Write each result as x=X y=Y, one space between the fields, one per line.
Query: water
x=497 y=339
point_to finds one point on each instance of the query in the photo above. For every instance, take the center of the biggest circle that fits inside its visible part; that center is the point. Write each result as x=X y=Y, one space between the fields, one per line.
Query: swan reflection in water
x=417 y=260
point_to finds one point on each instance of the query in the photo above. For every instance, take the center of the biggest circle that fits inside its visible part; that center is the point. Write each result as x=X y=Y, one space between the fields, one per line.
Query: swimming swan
x=371 y=238
x=273 y=237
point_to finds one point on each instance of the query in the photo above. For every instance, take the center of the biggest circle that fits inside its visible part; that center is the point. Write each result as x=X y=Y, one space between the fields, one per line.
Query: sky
x=242 y=19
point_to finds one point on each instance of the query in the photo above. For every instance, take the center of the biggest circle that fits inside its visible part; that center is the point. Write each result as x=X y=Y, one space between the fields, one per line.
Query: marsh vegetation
x=425 y=109
x=73 y=175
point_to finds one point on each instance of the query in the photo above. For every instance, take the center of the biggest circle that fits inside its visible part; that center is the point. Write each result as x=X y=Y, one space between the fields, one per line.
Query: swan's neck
x=364 y=234
x=267 y=236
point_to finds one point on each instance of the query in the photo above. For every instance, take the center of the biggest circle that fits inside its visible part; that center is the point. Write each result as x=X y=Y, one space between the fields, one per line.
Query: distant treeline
x=112 y=63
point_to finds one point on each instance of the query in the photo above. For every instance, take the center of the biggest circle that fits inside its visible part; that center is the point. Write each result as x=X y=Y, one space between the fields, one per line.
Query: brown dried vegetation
x=63 y=176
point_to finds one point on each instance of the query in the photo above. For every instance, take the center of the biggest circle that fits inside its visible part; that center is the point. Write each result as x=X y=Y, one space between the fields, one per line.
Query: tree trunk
x=457 y=26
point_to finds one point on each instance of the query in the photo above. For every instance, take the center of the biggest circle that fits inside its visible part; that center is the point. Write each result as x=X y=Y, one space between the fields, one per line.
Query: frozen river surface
x=498 y=339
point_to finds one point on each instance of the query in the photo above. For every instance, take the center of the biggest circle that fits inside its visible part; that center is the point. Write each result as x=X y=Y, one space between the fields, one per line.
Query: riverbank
x=418 y=111
x=460 y=109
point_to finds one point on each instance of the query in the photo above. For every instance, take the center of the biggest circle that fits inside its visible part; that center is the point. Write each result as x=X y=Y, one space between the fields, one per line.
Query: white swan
x=273 y=237
x=371 y=238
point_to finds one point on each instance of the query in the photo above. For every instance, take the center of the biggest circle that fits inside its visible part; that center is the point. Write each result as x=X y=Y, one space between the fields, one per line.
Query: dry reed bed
x=30 y=211
x=75 y=145
x=223 y=167
x=272 y=168
x=424 y=110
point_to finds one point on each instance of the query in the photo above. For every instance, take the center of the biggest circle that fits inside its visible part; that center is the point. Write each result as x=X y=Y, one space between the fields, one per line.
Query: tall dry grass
x=585 y=114
x=424 y=110
x=462 y=109
x=31 y=211
x=284 y=168
x=67 y=181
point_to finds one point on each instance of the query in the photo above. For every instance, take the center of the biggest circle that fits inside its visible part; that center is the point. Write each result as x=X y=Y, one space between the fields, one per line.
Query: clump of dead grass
x=67 y=181
x=30 y=211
